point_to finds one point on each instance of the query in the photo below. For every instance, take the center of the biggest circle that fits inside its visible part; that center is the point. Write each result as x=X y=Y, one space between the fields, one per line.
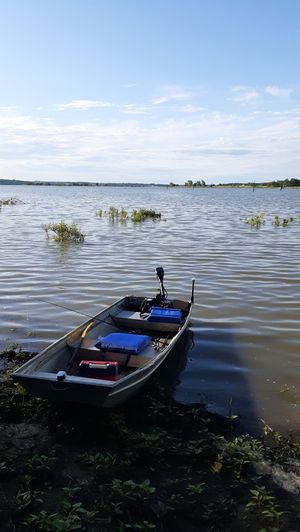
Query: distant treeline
x=76 y=183
x=293 y=182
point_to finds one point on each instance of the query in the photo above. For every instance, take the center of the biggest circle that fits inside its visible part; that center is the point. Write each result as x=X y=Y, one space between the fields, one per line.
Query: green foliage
x=8 y=348
x=256 y=220
x=195 y=489
x=121 y=215
x=128 y=489
x=199 y=183
x=24 y=499
x=10 y=201
x=263 y=508
x=284 y=222
x=106 y=463
x=114 y=214
x=165 y=467
x=64 y=232
x=239 y=454
x=41 y=462
x=141 y=215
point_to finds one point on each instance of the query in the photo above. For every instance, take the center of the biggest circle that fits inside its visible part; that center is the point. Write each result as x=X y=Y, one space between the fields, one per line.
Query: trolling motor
x=160 y=300
x=162 y=292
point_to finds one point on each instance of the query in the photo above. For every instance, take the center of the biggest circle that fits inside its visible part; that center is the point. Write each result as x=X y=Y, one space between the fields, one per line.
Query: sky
x=150 y=91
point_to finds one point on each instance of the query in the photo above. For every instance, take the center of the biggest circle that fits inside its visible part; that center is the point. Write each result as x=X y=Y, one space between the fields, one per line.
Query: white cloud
x=213 y=143
x=278 y=91
x=191 y=109
x=244 y=95
x=171 y=94
x=131 y=108
x=84 y=105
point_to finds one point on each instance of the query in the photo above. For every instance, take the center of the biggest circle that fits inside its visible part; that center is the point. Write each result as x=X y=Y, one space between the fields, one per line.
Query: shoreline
x=151 y=465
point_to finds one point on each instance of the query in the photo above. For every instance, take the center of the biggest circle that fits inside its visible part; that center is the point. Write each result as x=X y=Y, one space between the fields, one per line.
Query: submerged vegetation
x=152 y=465
x=136 y=216
x=257 y=220
x=64 y=232
x=284 y=222
x=144 y=214
x=10 y=201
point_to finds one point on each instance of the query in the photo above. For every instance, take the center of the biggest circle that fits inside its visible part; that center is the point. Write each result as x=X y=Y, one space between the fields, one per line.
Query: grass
x=150 y=465
x=136 y=216
x=64 y=232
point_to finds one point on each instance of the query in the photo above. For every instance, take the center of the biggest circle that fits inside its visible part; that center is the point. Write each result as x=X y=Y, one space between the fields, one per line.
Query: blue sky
x=150 y=91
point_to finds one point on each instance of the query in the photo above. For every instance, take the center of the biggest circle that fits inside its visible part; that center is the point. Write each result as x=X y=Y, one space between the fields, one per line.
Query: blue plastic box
x=132 y=344
x=165 y=315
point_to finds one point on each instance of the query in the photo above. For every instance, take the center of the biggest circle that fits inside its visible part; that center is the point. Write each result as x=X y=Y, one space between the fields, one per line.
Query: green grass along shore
x=151 y=465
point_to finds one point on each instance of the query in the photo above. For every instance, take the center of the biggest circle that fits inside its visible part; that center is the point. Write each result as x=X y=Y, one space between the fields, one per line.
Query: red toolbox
x=98 y=369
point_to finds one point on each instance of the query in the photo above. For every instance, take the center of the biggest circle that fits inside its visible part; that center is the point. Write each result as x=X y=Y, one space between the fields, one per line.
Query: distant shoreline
x=276 y=184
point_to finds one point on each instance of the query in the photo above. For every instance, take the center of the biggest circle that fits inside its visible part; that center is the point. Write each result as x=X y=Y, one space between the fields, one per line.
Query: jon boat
x=109 y=357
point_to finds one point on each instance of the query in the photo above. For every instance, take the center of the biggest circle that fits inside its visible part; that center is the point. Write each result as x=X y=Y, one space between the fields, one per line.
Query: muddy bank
x=152 y=465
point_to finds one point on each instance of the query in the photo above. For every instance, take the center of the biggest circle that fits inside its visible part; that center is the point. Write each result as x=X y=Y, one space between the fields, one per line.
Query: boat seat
x=90 y=352
x=130 y=319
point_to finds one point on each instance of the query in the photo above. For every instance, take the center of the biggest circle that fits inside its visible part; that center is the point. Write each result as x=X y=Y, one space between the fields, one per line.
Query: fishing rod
x=73 y=310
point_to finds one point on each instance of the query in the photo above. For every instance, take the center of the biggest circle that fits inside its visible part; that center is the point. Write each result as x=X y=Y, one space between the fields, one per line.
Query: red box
x=99 y=369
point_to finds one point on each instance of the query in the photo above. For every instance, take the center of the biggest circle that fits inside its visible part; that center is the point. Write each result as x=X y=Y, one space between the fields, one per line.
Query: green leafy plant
x=141 y=215
x=24 y=499
x=106 y=463
x=263 y=507
x=256 y=220
x=129 y=489
x=64 y=232
x=195 y=489
x=41 y=462
x=284 y=222
x=238 y=455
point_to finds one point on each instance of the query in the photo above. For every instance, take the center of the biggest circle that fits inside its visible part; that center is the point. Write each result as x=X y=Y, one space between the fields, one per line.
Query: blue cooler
x=165 y=315
x=131 y=344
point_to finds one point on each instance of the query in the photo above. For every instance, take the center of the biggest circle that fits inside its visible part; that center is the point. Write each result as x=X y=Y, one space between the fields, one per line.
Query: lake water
x=243 y=354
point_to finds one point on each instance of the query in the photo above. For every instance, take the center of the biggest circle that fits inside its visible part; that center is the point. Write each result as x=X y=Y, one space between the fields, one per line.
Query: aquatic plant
x=64 y=232
x=112 y=214
x=256 y=220
x=123 y=215
x=136 y=216
x=284 y=222
x=10 y=201
x=143 y=214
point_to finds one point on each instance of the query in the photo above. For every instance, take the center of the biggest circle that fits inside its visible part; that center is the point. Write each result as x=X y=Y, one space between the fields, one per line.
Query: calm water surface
x=244 y=346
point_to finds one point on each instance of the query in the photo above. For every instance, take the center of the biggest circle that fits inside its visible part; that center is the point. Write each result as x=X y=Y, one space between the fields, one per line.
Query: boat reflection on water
x=168 y=374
